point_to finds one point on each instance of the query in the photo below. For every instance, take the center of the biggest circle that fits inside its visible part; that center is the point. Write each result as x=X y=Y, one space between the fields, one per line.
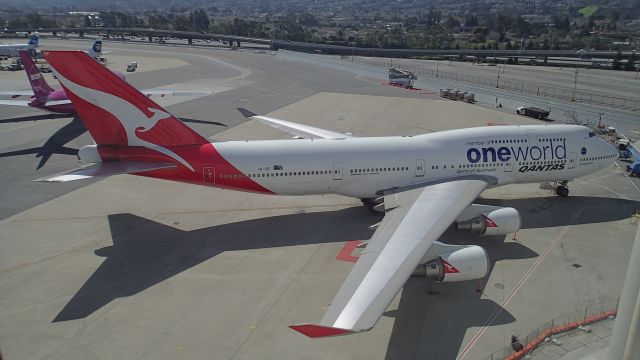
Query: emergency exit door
x=419 y=167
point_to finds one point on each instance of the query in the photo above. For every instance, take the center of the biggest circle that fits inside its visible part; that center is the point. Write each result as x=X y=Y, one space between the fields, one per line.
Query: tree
x=452 y=23
x=180 y=23
x=503 y=22
x=471 y=21
x=200 y=20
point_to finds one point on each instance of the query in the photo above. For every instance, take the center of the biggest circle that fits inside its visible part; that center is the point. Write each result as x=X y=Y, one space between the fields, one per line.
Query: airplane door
x=209 y=175
x=572 y=160
x=337 y=171
x=419 y=167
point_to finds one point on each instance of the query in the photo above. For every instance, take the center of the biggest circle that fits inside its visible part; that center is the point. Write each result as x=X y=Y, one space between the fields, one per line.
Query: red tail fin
x=114 y=112
x=38 y=83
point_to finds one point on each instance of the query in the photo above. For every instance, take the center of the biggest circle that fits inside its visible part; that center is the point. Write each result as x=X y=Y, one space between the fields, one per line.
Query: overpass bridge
x=334 y=49
x=150 y=34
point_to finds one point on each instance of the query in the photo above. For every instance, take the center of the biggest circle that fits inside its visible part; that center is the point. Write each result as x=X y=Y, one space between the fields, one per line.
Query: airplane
x=44 y=97
x=95 y=51
x=423 y=183
x=12 y=49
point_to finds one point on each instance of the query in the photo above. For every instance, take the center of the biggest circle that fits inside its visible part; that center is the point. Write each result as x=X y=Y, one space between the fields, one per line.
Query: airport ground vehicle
x=132 y=66
x=533 y=112
x=423 y=183
x=634 y=169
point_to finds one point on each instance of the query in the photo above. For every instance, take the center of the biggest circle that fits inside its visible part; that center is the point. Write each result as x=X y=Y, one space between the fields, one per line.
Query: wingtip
x=318 y=331
x=246 y=113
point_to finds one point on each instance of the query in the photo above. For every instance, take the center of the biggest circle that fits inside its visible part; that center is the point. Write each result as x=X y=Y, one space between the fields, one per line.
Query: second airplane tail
x=38 y=84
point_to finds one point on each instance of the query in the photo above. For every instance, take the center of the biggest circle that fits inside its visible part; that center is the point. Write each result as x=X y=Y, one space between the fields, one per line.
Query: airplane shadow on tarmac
x=433 y=319
x=428 y=324
x=145 y=253
x=56 y=143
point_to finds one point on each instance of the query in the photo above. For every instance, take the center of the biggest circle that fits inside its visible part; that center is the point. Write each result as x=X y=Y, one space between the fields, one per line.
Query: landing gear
x=562 y=189
x=369 y=203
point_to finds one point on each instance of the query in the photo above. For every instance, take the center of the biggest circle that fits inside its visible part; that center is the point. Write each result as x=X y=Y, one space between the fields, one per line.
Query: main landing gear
x=562 y=189
x=369 y=203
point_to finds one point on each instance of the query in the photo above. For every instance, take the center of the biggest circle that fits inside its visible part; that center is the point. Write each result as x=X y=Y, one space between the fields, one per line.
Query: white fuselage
x=13 y=49
x=362 y=167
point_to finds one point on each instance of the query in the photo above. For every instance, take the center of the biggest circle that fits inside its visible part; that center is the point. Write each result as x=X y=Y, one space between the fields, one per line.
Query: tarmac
x=134 y=268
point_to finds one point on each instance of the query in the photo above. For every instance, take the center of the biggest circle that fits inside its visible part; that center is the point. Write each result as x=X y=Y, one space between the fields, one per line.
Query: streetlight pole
x=575 y=85
x=636 y=63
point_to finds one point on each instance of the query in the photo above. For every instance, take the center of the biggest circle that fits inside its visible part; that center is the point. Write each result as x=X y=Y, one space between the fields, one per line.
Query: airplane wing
x=15 y=102
x=303 y=131
x=404 y=236
x=105 y=169
x=16 y=93
x=149 y=92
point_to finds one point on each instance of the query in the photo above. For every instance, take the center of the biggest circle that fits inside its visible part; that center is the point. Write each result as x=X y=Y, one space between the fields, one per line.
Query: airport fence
x=547 y=332
x=568 y=94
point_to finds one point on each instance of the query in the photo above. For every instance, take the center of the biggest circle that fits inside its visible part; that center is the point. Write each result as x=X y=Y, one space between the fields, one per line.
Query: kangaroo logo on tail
x=132 y=119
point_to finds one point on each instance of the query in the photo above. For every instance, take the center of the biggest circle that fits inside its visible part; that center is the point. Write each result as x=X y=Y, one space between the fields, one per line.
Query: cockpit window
x=591 y=134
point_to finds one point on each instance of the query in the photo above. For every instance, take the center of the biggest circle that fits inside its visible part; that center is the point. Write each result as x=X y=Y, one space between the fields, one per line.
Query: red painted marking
x=448 y=268
x=314 y=331
x=347 y=250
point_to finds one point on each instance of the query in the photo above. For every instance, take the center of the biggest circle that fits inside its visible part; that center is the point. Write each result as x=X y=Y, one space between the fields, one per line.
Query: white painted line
x=518 y=286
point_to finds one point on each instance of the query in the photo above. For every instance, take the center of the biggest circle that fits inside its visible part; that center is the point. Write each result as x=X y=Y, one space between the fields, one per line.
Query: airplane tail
x=33 y=40
x=96 y=48
x=39 y=85
x=114 y=112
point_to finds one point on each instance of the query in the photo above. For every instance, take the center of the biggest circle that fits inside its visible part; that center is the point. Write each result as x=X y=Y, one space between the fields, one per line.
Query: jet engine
x=467 y=263
x=496 y=222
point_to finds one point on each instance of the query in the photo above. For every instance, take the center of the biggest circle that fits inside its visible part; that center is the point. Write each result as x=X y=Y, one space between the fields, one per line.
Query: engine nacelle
x=501 y=221
x=468 y=263
x=89 y=154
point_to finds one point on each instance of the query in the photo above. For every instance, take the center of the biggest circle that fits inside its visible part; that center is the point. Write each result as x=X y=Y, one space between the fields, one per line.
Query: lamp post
x=636 y=63
x=575 y=84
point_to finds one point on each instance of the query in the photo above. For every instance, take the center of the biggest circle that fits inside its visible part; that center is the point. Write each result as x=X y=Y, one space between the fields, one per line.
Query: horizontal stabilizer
x=316 y=331
x=106 y=169
x=176 y=92
x=15 y=102
x=17 y=93
x=58 y=102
